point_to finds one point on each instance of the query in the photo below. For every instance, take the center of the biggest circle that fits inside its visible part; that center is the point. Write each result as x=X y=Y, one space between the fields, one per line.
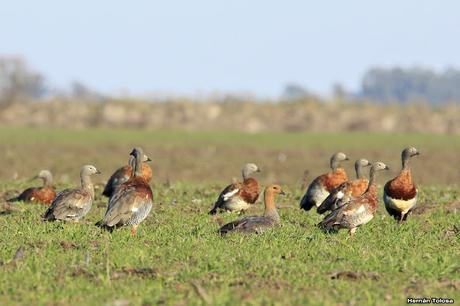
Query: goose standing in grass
x=353 y=188
x=132 y=201
x=239 y=196
x=257 y=224
x=400 y=193
x=74 y=204
x=42 y=195
x=358 y=211
x=123 y=174
x=319 y=189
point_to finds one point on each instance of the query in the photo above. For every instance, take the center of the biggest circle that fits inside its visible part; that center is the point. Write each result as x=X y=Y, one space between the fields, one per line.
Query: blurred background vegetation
x=390 y=100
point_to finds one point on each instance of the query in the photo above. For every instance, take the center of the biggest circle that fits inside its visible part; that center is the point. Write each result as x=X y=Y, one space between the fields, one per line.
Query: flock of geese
x=348 y=203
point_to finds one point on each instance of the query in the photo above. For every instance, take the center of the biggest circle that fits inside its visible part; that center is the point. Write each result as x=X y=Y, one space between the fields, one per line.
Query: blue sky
x=198 y=47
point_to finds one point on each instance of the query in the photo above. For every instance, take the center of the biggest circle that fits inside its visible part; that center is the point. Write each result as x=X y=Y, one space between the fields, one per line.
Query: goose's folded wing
x=68 y=203
x=247 y=224
x=123 y=205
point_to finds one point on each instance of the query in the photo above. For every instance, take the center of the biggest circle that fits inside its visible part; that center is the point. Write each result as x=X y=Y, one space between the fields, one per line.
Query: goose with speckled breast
x=358 y=211
x=347 y=190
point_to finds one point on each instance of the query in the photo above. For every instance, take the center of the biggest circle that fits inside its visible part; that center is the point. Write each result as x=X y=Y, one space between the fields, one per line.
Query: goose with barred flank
x=73 y=204
x=345 y=191
x=319 y=189
x=358 y=211
x=258 y=224
x=400 y=193
x=239 y=196
x=42 y=195
x=123 y=174
x=132 y=201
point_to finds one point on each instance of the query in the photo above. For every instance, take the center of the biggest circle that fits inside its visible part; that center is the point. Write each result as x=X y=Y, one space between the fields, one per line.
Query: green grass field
x=177 y=258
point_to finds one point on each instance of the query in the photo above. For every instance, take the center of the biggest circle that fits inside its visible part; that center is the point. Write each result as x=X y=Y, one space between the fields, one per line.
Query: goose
x=257 y=224
x=353 y=188
x=357 y=211
x=132 y=201
x=400 y=193
x=123 y=174
x=239 y=196
x=42 y=195
x=73 y=204
x=320 y=187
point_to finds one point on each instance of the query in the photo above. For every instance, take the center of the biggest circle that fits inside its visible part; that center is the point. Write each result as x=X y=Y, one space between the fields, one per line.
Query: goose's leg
x=133 y=230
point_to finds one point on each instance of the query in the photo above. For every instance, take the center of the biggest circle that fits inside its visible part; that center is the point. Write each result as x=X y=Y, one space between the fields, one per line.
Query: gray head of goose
x=249 y=169
x=377 y=166
x=359 y=165
x=46 y=176
x=132 y=159
x=336 y=159
x=85 y=173
x=138 y=154
x=406 y=154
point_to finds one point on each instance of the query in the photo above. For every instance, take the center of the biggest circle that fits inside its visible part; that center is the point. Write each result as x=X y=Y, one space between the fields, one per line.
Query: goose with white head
x=74 y=204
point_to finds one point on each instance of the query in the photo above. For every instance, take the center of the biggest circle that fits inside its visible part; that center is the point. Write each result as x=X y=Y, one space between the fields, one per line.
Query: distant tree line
x=404 y=85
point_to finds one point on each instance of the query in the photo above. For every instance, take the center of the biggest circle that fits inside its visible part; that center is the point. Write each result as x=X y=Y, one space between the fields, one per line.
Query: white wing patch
x=361 y=209
x=228 y=195
x=340 y=195
x=135 y=209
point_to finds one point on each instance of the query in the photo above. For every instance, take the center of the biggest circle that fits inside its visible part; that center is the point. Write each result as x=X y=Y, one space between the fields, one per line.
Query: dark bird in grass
x=358 y=211
x=42 y=195
x=74 y=204
x=132 y=201
x=123 y=174
x=400 y=193
x=346 y=190
x=239 y=196
x=258 y=224
x=319 y=189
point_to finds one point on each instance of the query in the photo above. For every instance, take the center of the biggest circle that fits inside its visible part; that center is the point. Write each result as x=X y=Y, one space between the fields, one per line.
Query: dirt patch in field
x=351 y=275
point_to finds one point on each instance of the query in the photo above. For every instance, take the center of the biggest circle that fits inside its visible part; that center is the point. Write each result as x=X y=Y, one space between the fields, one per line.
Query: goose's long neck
x=270 y=208
x=137 y=166
x=246 y=174
x=87 y=184
x=47 y=181
x=359 y=171
x=372 y=179
x=405 y=162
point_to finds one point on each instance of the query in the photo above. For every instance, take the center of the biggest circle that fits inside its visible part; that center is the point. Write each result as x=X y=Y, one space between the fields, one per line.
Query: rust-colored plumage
x=43 y=195
x=320 y=188
x=239 y=195
x=357 y=211
x=400 y=193
x=131 y=202
x=123 y=174
x=333 y=179
x=402 y=186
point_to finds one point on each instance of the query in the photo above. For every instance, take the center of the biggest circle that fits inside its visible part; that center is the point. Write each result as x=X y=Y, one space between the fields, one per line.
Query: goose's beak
x=258 y=170
x=387 y=168
x=98 y=172
x=148 y=159
x=282 y=193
